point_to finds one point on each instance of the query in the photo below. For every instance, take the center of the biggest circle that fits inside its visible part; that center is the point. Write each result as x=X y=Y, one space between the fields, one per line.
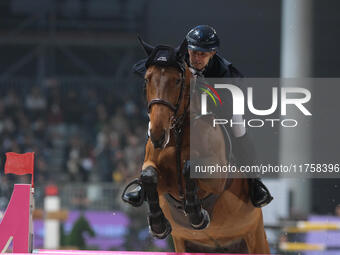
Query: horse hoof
x=204 y=222
x=164 y=233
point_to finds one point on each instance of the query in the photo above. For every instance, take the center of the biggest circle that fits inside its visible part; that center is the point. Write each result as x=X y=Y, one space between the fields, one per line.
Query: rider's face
x=199 y=59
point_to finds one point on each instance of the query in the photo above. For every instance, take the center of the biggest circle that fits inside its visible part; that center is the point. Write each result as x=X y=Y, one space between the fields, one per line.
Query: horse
x=202 y=215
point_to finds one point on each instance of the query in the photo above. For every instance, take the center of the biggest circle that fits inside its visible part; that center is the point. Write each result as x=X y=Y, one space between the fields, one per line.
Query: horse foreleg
x=260 y=239
x=179 y=244
x=199 y=218
x=158 y=224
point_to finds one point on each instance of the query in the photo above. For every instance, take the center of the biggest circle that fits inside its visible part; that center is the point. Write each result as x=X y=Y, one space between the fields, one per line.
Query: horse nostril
x=158 y=142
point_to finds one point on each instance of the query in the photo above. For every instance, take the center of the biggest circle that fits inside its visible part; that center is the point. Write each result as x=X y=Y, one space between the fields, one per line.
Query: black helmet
x=203 y=38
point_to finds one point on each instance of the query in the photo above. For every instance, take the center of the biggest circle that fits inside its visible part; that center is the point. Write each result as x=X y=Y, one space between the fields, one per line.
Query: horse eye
x=146 y=81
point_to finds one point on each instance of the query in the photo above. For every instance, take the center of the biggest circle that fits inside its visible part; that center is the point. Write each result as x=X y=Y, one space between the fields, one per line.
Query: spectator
x=35 y=103
x=94 y=130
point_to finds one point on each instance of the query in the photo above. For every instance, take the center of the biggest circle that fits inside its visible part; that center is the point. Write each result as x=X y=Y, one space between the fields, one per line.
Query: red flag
x=19 y=163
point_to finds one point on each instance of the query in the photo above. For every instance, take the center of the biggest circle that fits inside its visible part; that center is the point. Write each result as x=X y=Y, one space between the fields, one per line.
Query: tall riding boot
x=259 y=194
x=134 y=193
x=244 y=153
x=135 y=196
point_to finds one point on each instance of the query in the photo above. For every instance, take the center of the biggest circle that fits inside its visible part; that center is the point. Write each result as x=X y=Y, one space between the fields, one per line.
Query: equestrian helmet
x=203 y=38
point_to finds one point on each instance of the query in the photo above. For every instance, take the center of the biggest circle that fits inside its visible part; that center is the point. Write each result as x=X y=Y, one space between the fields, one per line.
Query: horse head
x=167 y=89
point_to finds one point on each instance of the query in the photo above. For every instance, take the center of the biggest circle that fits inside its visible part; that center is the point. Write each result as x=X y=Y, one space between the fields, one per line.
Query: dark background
x=92 y=42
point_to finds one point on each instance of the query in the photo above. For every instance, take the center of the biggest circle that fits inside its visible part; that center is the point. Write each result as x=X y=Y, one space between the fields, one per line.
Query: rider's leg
x=136 y=196
x=244 y=153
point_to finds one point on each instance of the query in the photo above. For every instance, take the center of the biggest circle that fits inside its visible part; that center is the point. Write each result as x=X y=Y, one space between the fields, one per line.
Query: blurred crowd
x=79 y=133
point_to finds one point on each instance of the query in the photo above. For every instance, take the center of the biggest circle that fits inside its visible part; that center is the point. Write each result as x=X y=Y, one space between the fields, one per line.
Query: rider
x=205 y=62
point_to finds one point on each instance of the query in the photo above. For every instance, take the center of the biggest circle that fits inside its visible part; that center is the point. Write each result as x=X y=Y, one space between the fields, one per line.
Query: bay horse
x=202 y=215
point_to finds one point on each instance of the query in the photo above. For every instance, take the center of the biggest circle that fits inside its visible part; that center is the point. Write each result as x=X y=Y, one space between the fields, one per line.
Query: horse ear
x=182 y=49
x=147 y=47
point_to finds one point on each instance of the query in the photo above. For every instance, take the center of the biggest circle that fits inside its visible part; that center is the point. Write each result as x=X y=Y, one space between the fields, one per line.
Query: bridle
x=173 y=107
x=177 y=123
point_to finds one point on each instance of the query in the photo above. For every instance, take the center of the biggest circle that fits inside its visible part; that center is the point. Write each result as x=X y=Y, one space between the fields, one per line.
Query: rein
x=178 y=127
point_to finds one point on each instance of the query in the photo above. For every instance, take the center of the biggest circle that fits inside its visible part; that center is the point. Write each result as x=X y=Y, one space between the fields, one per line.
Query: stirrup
x=142 y=198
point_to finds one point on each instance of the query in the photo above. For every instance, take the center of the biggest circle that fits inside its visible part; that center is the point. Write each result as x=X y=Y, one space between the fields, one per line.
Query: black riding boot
x=136 y=195
x=259 y=194
x=133 y=193
x=244 y=153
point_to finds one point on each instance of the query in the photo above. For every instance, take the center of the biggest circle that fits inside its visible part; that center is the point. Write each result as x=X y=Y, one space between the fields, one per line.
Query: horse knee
x=149 y=175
